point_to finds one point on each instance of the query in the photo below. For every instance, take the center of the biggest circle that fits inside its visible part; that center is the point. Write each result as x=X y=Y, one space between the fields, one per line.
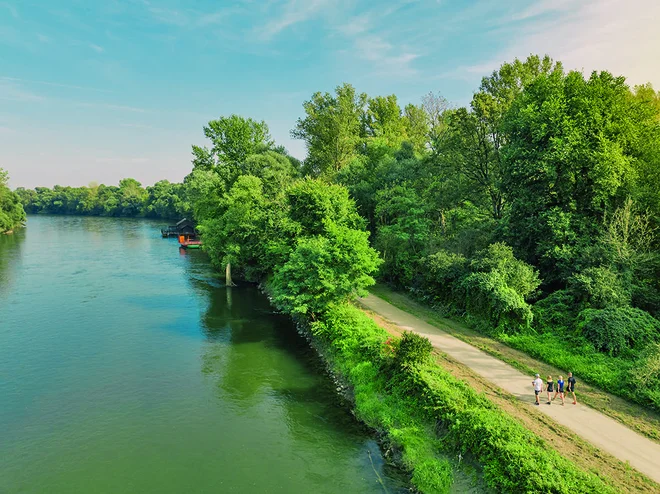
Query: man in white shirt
x=538 y=387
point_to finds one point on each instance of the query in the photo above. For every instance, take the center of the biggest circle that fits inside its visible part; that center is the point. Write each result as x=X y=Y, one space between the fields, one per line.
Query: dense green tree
x=333 y=129
x=233 y=139
x=324 y=270
x=12 y=214
x=162 y=200
x=569 y=164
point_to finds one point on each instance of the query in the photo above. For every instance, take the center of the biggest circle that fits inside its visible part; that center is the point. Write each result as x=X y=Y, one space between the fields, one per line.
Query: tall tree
x=569 y=163
x=332 y=129
x=233 y=139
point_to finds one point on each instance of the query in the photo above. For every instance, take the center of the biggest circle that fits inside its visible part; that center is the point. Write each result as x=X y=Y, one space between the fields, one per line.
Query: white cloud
x=10 y=91
x=96 y=48
x=356 y=25
x=386 y=58
x=585 y=35
x=169 y=16
x=12 y=10
x=205 y=19
x=43 y=38
x=542 y=7
x=295 y=12
x=111 y=106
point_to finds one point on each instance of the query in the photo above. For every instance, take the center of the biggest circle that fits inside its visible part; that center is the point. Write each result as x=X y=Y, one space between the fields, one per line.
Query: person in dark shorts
x=549 y=387
x=571 y=387
x=559 y=389
x=538 y=388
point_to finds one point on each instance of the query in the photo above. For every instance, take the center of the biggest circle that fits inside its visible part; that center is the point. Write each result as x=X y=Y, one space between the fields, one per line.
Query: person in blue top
x=559 y=389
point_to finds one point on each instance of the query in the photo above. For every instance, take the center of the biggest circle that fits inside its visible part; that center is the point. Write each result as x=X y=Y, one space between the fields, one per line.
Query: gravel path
x=600 y=430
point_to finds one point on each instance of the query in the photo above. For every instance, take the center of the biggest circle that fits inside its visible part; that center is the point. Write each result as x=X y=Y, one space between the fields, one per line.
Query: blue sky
x=101 y=90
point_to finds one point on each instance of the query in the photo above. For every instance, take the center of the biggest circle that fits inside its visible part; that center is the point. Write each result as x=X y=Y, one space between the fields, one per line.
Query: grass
x=584 y=455
x=424 y=411
x=531 y=354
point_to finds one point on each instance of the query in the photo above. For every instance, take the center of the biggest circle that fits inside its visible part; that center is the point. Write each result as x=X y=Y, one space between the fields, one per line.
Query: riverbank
x=396 y=387
x=562 y=437
x=630 y=414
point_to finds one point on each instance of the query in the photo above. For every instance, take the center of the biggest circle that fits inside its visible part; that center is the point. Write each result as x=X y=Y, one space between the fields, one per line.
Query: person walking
x=559 y=389
x=549 y=387
x=538 y=387
x=571 y=387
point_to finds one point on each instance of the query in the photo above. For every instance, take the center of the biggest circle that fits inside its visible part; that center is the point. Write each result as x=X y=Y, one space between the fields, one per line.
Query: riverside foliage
x=306 y=243
x=12 y=214
x=533 y=213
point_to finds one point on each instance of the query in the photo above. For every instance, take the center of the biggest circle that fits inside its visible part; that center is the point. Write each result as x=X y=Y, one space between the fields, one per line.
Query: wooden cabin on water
x=183 y=227
x=186 y=232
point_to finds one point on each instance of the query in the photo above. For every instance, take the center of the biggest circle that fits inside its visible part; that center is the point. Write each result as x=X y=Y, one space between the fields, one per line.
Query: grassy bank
x=548 y=357
x=621 y=476
x=399 y=390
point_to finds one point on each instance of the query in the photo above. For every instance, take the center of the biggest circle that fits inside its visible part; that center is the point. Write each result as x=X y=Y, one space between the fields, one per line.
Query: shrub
x=556 y=313
x=413 y=350
x=600 y=288
x=516 y=274
x=647 y=371
x=488 y=296
x=440 y=274
x=616 y=330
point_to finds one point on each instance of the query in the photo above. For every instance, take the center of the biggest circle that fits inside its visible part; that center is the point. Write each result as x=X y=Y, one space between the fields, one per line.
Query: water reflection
x=259 y=362
x=10 y=256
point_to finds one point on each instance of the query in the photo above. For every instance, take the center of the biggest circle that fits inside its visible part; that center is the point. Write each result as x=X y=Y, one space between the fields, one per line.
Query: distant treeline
x=129 y=199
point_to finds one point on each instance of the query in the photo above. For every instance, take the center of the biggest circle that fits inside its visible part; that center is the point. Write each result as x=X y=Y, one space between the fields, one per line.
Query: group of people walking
x=554 y=387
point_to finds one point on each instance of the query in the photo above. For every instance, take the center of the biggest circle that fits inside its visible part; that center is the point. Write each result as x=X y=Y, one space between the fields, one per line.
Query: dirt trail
x=600 y=430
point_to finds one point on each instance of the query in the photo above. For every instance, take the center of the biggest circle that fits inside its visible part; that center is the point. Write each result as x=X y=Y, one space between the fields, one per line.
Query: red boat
x=189 y=243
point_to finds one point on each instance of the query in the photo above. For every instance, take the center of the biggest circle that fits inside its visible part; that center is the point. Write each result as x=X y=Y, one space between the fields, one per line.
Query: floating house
x=183 y=227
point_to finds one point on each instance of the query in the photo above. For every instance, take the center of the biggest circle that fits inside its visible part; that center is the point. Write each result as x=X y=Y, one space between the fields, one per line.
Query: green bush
x=555 y=313
x=618 y=330
x=489 y=297
x=440 y=274
x=646 y=374
x=413 y=350
x=522 y=278
x=600 y=288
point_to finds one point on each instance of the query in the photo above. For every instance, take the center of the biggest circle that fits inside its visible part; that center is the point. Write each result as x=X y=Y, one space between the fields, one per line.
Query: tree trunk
x=228 y=280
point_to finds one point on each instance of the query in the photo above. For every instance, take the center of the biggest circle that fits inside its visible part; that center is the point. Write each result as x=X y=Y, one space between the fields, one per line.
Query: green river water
x=127 y=367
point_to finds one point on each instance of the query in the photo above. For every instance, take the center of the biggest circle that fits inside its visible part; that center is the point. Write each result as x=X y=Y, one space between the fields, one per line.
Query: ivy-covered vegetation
x=11 y=210
x=129 y=199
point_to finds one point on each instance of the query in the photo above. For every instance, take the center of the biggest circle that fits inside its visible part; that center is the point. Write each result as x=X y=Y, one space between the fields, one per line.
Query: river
x=126 y=366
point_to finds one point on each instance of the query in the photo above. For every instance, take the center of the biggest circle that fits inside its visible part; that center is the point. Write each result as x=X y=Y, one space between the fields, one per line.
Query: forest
x=532 y=214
